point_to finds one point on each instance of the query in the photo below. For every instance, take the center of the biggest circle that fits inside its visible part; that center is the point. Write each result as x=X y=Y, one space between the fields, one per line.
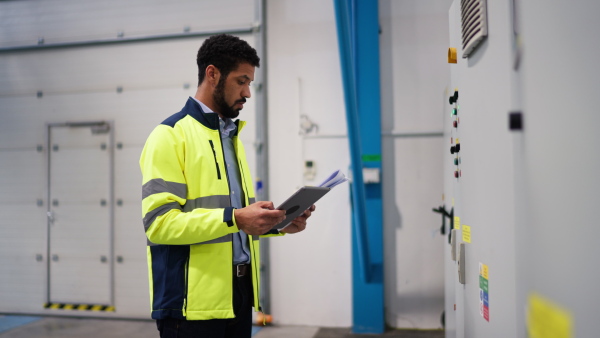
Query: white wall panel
x=20 y=128
x=23 y=22
x=22 y=225
x=315 y=264
x=558 y=152
x=414 y=272
x=21 y=273
x=304 y=79
x=414 y=79
x=131 y=273
x=414 y=41
x=23 y=176
x=147 y=65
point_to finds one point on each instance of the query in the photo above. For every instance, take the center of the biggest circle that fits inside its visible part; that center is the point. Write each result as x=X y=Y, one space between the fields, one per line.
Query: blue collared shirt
x=241 y=249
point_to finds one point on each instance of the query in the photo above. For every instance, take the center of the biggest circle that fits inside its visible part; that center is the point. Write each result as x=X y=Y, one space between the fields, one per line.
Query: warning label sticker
x=484 y=295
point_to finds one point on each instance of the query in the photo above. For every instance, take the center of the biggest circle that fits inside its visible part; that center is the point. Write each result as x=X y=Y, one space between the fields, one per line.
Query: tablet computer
x=301 y=200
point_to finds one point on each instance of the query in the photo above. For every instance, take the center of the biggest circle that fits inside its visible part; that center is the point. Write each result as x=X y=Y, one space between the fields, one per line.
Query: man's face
x=231 y=92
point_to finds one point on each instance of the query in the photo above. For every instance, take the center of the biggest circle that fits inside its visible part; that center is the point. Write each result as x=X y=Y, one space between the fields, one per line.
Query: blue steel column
x=358 y=37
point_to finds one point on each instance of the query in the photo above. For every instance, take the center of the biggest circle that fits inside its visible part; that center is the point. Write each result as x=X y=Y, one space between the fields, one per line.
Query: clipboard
x=301 y=200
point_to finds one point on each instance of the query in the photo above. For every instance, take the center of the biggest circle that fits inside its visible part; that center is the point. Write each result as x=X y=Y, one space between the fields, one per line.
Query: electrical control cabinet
x=479 y=184
x=523 y=184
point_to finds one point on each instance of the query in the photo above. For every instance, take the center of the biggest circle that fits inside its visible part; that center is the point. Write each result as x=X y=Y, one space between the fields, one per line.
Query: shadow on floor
x=10 y=322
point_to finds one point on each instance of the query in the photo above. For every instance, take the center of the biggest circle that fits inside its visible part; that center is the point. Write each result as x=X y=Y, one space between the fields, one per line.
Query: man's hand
x=299 y=223
x=258 y=218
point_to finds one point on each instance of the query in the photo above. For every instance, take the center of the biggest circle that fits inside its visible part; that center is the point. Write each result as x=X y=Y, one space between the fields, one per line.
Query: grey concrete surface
x=55 y=327
x=66 y=327
x=400 y=333
x=287 y=332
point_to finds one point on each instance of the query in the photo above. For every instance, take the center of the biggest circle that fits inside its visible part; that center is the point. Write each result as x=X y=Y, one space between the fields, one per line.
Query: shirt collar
x=226 y=126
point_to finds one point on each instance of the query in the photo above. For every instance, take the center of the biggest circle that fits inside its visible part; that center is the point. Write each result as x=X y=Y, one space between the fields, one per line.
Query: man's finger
x=274 y=213
x=267 y=205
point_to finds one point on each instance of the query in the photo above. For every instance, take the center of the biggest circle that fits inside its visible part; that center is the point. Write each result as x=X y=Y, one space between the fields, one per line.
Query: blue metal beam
x=358 y=37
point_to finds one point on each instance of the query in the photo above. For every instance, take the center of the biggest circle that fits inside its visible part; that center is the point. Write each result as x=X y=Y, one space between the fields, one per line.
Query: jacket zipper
x=224 y=164
x=185 y=292
x=246 y=198
x=215 y=156
x=255 y=275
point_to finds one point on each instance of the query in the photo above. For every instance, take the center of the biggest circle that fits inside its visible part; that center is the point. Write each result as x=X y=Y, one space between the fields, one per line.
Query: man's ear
x=212 y=75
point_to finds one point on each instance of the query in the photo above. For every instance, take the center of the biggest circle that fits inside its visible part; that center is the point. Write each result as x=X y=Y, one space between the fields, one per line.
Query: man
x=200 y=216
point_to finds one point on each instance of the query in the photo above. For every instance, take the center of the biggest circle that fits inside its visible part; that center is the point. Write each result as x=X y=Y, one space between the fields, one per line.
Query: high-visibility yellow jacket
x=189 y=219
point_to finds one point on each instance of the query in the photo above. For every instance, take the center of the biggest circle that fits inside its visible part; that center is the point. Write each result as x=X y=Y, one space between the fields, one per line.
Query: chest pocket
x=212 y=146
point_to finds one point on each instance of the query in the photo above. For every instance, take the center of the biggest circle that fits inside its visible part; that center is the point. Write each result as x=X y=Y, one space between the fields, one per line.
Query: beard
x=224 y=109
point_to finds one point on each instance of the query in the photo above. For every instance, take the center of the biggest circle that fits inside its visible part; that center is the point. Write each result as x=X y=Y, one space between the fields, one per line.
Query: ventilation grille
x=474 y=24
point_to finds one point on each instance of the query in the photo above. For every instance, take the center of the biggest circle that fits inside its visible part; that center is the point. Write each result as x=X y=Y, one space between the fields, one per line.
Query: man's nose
x=246 y=92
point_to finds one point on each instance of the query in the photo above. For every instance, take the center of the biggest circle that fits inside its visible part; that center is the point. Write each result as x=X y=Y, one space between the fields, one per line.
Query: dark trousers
x=238 y=327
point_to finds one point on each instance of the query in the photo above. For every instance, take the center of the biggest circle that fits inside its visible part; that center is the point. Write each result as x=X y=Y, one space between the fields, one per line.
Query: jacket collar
x=209 y=120
x=193 y=109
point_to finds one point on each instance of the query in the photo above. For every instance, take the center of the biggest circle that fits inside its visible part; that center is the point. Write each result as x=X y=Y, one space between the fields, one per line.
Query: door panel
x=482 y=176
x=79 y=217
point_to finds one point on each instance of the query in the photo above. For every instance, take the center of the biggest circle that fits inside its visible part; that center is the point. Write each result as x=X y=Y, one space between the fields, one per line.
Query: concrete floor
x=54 y=327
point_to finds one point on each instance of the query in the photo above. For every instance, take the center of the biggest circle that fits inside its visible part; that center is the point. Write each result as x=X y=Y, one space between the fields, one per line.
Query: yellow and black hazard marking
x=80 y=307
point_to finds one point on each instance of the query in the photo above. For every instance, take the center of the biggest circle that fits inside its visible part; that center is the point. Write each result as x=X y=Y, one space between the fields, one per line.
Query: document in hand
x=334 y=179
x=305 y=197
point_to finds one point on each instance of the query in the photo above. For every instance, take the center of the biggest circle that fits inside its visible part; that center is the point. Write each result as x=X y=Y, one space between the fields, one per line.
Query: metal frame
x=111 y=198
x=120 y=40
x=262 y=145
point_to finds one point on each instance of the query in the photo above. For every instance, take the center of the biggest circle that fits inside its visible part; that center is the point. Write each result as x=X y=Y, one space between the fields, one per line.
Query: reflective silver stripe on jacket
x=163 y=209
x=158 y=185
x=222 y=239
x=208 y=202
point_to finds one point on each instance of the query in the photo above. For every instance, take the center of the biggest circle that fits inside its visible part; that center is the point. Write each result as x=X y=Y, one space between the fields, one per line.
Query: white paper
x=337 y=177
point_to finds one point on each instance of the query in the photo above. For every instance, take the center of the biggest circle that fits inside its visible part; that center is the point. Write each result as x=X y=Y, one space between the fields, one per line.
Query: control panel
x=454 y=139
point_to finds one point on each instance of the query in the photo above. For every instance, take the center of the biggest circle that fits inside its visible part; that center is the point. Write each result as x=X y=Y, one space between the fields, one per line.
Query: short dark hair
x=225 y=52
